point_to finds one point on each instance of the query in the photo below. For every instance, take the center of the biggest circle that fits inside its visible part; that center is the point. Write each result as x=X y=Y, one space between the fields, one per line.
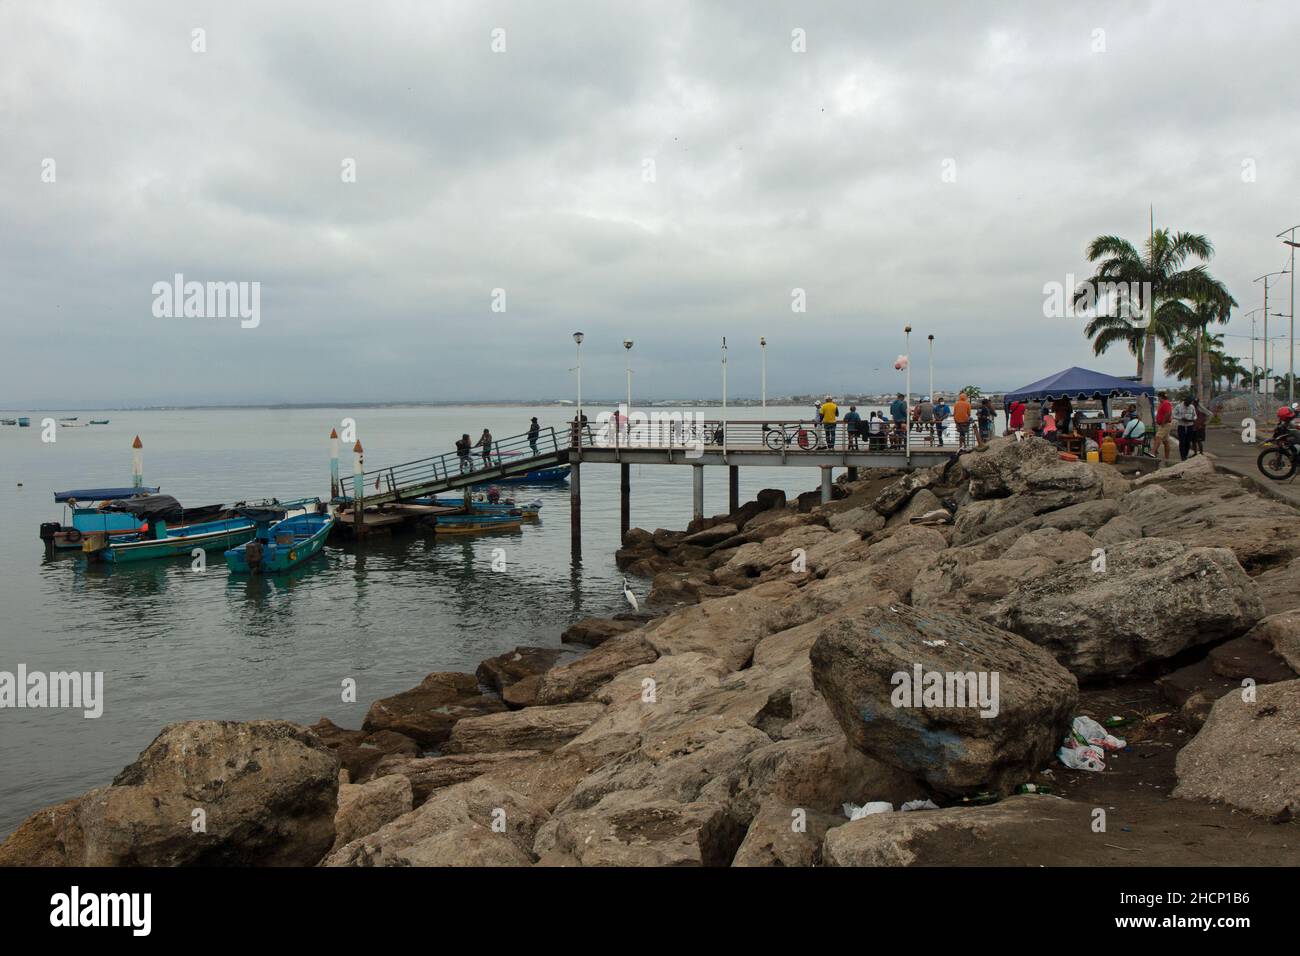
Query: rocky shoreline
x=729 y=722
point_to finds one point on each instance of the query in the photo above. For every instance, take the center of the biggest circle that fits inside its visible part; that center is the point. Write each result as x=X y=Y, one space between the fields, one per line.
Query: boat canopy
x=1080 y=384
x=152 y=506
x=102 y=494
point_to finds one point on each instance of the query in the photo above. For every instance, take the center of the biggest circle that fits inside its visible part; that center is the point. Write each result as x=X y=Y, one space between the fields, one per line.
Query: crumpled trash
x=1085 y=746
x=855 y=812
x=918 y=805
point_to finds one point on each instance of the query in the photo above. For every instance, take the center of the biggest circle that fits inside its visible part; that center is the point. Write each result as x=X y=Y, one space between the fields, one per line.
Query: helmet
x=1285 y=414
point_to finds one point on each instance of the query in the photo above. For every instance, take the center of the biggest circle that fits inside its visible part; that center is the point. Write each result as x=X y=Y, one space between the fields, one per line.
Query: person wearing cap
x=829 y=413
x=898 y=412
x=941 y=413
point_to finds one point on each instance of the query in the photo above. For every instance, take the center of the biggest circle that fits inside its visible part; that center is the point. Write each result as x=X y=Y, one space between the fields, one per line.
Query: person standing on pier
x=961 y=415
x=984 y=420
x=1185 y=419
x=533 y=431
x=853 y=427
x=941 y=413
x=1164 y=425
x=485 y=442
x=925 y=416
x=463 y=445
x=898 y=412
x=830 y=414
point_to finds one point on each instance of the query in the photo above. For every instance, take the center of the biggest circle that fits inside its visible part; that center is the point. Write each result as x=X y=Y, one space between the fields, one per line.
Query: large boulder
x=1278 y=587
x=533 y=728
x=1154 y=599
x=1004 y=466
x=576 y=681
x=894 y=497
x=365 y=807
x=498 y=673
x=267 y=790
x=1248 y=753
x=1281 y=633
x=596 y=630
x=358 y=751
x=1261 y=532
x=478 y=823
x=997 y=715
x=427 y=713
x=783 y=835
x=427 y=774
x=970 y=836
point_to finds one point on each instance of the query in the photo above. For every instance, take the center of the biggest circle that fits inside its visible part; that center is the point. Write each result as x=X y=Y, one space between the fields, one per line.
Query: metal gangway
x=508 y=457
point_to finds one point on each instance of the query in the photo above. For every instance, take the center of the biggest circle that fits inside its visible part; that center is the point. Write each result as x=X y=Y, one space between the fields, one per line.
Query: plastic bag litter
x=855 y=812
x=918 y=805
x=1087 y=731
x=1082 y=758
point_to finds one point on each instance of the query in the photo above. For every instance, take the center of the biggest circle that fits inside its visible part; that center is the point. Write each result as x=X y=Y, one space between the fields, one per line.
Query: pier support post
x=853 y=474
x=625 y=501
x=733 y=489
x=697 y=480
x=826 y=485
x=575 y=509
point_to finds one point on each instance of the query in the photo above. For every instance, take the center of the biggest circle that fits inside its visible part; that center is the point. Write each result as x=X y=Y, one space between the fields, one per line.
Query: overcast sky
x=666 y=172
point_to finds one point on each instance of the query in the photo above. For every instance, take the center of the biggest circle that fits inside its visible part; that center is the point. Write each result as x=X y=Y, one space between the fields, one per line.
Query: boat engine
x=49 y=529
x=253 y=554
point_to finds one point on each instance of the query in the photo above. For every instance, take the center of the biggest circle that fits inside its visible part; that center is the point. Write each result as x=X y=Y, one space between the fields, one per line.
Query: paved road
x=1233 y=455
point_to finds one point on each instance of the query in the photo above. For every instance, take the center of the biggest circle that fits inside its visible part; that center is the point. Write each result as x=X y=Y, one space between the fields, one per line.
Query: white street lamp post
x=762 y=348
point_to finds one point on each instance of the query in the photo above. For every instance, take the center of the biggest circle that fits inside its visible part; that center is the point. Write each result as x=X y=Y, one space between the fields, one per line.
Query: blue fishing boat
x=24 y=422
x=281 y=545
x=90 y=511
x=163 y=542
x=543 y=476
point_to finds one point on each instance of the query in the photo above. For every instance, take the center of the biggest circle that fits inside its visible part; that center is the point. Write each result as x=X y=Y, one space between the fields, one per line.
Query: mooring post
x=697 y=479
x=575 y=508
x=733 y=489
x=358 y=488
x=335 y=490
x=826 y=485
x=625 y=500
x=137 y=463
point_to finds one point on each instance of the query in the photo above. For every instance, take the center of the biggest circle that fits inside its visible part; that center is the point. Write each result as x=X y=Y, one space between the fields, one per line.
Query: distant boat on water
x=99 y=421
x=476 y=523
x=24 y=422
x=8 y=421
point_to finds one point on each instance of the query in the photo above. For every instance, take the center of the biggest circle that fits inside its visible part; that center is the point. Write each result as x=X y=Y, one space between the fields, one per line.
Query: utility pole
x=1265 y=279
x=1290 y=396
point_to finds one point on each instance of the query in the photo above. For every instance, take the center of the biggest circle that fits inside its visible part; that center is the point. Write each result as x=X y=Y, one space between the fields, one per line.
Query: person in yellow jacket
x=829 y=412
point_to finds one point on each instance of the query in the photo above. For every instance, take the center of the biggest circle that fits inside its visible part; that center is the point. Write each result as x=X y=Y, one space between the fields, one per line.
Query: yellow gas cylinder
x=1094 y=457
x=1109 y=450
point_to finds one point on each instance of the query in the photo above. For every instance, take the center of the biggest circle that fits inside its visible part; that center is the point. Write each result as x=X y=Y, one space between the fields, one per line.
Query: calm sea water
x=175 y=644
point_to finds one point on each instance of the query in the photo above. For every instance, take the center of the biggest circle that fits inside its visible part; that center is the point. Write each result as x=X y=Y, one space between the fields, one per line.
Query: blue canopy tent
x=1080 y=384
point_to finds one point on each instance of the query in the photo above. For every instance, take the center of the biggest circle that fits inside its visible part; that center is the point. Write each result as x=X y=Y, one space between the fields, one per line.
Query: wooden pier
x=386 y=494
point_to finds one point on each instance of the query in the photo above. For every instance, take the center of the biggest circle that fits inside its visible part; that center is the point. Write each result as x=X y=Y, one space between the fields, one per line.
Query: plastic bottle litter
x=1087 y=731
x=1086 y=745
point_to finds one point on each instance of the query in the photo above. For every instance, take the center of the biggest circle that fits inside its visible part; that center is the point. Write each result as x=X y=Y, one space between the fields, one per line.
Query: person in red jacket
x=1164 y=426
x=1016 y=417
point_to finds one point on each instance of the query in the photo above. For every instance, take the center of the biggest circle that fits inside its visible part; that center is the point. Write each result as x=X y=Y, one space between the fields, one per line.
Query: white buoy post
x=137 y=463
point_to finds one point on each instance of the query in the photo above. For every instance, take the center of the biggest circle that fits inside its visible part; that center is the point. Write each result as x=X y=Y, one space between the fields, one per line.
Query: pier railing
x=392 y=481
x=779 y=435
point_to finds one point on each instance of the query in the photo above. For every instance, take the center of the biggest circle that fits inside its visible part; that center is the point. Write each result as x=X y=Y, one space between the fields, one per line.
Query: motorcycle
x=1279 y=458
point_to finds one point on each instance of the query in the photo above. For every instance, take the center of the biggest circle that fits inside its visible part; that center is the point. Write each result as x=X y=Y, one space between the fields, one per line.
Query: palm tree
x=1193 y=319
x=1161 y=268
x=1196 y=356
x=1231 y=369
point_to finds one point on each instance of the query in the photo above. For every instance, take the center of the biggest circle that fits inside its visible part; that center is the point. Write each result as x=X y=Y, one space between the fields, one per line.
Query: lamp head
x=627 y=343
x=578 y=337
